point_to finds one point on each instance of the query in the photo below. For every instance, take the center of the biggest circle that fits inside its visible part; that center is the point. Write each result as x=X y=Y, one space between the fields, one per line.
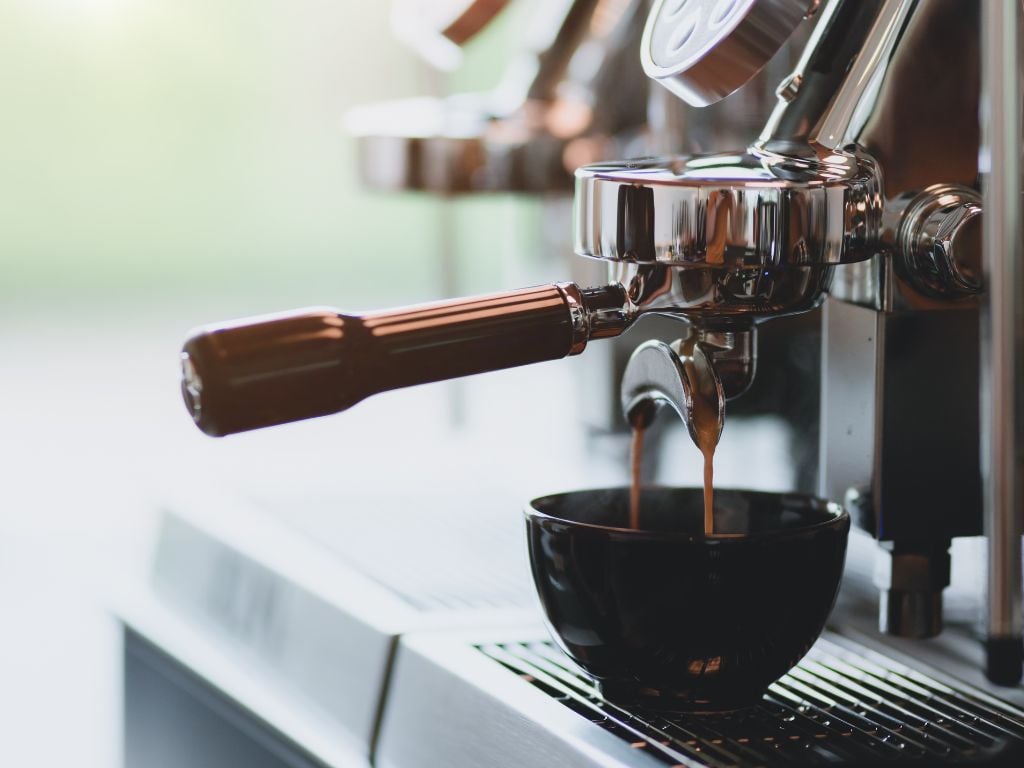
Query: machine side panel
x=450 y=705
x=173 y=718
x=850 y=349
x=930 y=477
x=335 y=660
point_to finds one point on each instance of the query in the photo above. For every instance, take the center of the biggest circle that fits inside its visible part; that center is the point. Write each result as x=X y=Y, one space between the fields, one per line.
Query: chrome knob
x=703 y=50
x=939 y=241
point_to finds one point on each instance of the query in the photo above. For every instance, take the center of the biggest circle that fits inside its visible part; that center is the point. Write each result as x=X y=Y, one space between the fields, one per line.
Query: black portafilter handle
x=263 y=371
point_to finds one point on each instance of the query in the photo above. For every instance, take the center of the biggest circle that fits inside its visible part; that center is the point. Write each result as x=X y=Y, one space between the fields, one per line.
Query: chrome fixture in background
x=572 y=93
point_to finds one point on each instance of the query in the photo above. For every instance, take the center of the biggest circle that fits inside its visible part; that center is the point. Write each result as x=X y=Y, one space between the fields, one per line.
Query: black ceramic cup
x=665 y=617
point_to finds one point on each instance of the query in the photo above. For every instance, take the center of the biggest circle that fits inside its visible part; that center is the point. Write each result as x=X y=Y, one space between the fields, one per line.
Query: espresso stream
x=636 y=457
x=704 y=416
x=709 y=488
x=636 y=461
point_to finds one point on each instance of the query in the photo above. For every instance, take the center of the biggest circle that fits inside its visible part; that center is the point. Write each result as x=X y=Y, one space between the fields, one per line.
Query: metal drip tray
x=842 y=705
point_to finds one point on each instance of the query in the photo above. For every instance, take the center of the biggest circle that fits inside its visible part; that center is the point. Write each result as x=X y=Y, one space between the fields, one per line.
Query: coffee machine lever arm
x=263 y=371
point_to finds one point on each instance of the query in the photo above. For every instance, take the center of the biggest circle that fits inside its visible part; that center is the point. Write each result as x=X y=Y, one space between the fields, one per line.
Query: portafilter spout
x=694 y=376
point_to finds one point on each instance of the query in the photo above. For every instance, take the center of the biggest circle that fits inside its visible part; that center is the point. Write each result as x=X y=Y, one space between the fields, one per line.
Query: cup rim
x=837 y=511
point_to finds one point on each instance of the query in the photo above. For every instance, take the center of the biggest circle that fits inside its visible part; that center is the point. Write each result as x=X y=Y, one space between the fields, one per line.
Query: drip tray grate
x=843 y=705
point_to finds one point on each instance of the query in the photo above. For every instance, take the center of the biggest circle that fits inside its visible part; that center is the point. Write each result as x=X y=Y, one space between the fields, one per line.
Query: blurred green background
x=167 y=163
x=192 y=152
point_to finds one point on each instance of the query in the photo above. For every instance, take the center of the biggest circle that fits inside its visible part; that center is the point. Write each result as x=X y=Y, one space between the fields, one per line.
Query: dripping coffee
x=703 y=412
x=636 y=463
x=707 y=448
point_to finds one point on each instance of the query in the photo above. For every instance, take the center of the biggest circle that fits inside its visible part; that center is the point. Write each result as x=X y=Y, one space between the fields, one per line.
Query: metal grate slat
x=607 y=715
x=842 y=705
x=929 y=713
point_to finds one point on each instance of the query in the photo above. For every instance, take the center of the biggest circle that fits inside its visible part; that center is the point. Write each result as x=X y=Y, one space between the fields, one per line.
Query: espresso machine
x=863 y=195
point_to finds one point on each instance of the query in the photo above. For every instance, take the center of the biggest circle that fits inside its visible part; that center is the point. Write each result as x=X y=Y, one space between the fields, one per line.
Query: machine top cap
x=703 y=50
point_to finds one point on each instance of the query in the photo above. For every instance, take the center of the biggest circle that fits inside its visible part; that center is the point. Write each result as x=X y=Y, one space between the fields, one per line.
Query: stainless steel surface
x=920 y=143
x=850 y=409
x=477 y=567
x=294 y=617
x=910 y=613
x=910 y=579
x=870 y=359
x=1001 y=339
x=883 y=380
x=704 y=50
x=754 y=209
x=451 y=705
x=732 y=350
x=273 y=611
x=898 y=442
x=284 y=646
x=803 y=198
x=172 y=718
x=829 y=99
x=709 y=366
x=719 y=294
